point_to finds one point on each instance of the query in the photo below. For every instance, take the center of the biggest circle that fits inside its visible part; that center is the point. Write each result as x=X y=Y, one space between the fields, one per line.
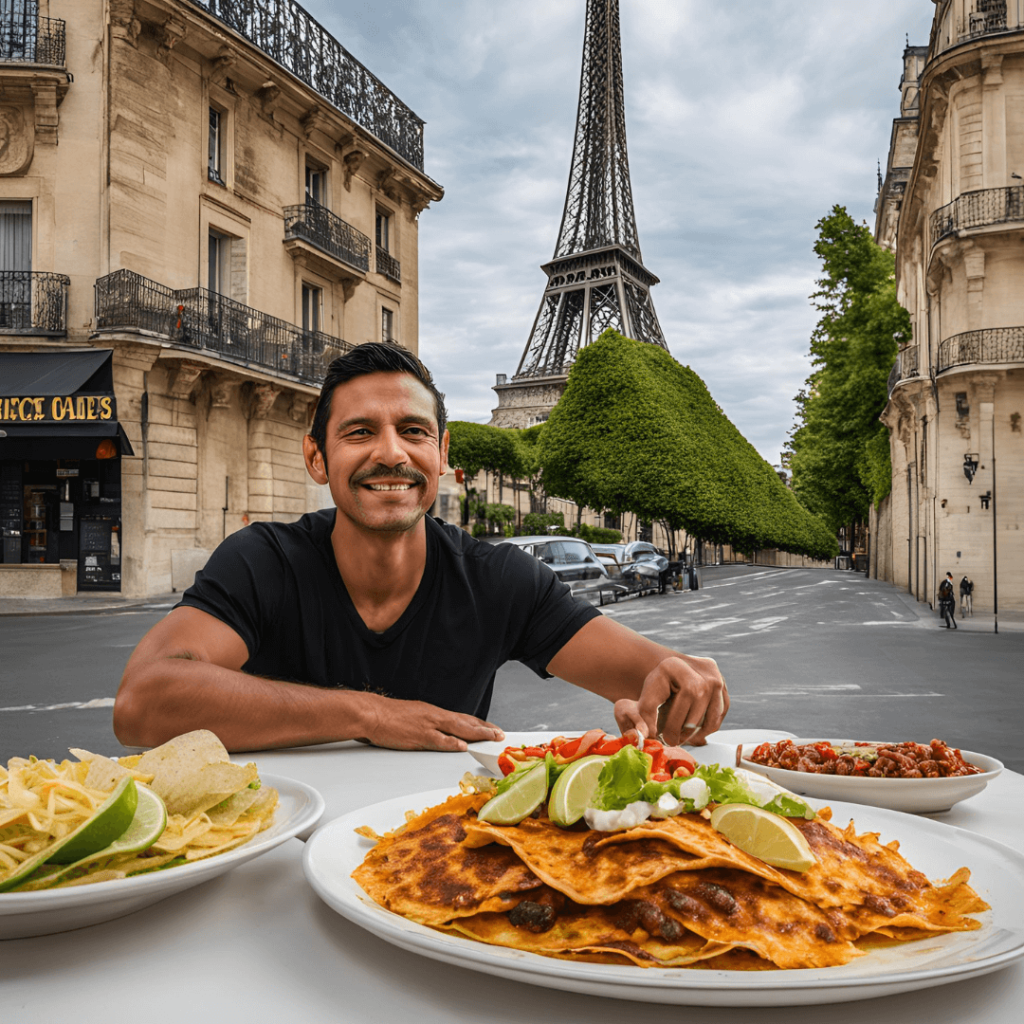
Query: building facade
x=202 y=202
x=952 y=208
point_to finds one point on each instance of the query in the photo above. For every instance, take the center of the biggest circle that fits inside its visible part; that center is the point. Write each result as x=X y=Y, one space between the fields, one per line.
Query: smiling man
x=374 y=621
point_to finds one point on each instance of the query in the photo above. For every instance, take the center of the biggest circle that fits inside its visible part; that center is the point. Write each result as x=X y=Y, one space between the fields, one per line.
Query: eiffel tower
x=597 y=278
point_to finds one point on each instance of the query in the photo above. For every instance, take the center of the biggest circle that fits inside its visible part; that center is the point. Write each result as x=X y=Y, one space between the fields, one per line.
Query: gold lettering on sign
x=57 y=408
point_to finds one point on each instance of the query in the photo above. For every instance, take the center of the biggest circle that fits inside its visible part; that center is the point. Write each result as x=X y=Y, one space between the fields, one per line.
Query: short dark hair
x=373 y=357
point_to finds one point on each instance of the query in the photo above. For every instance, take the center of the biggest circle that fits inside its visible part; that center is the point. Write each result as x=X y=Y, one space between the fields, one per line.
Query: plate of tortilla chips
x=218 y=815
x=669 y=911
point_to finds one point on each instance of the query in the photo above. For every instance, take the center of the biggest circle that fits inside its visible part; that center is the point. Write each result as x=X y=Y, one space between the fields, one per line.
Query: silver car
x=573 y=561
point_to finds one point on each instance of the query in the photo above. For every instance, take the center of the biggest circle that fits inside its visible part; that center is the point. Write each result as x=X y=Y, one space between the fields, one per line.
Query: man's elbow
x=130 y=713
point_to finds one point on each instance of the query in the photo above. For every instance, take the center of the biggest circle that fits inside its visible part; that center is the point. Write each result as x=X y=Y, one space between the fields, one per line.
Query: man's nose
x=389 y=449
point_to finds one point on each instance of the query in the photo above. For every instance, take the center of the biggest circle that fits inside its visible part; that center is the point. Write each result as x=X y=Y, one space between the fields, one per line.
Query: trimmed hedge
x=638 y=432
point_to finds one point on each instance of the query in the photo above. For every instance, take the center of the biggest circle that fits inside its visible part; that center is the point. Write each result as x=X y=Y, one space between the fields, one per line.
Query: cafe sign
x=58 y=409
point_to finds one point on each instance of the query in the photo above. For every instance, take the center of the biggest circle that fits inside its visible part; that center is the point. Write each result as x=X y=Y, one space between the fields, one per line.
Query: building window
x=383 y=231
x=15 y=264
x=312 y=307
x=316 y=181
x=215 y=147
x=219 y=253
x=387 y=325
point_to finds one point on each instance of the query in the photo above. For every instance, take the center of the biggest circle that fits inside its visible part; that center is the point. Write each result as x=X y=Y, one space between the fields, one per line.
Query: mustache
x=414 y=476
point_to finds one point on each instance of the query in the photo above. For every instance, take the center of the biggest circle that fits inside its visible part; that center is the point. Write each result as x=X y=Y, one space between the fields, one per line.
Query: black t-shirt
x=478 y=605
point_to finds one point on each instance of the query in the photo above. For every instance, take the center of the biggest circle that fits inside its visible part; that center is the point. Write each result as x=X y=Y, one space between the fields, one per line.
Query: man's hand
x=415 y=725
x=683 y=700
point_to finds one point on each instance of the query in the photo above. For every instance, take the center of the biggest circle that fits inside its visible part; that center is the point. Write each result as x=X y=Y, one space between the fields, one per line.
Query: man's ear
x=316 y=467
x=444 y=454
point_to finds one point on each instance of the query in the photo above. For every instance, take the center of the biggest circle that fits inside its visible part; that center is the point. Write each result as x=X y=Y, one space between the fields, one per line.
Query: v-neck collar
x=369 y=636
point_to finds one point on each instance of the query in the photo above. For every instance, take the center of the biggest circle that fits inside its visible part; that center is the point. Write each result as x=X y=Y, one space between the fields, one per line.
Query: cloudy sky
x=747 y=120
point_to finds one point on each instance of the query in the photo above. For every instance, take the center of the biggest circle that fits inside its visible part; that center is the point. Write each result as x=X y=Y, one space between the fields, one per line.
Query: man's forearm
x=175 y=695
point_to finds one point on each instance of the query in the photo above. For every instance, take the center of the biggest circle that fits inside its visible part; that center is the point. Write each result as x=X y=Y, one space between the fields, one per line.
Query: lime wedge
x=146 y=828
x=110 y=821
x=574 y=790
x=762 y=834
x=520 y=800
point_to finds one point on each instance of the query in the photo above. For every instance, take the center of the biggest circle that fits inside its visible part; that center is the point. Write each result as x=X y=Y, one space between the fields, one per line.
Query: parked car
x=634 y=551
x=622 y=561
x=574 y=562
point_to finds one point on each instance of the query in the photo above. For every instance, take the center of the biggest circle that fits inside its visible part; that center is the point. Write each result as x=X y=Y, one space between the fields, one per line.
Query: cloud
x=746 y=123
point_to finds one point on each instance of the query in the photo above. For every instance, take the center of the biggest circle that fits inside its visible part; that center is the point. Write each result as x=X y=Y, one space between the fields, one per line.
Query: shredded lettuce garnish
x=728 y=787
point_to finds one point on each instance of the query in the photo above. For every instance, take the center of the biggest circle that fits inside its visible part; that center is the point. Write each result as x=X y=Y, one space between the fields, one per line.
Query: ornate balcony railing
x=285 y=32
x=991 y=345
x=977 y=209
x=318 y=226
x=25 y=38
x=389 y=266
x=33 y=302
x=904 y=368
x=197 y=318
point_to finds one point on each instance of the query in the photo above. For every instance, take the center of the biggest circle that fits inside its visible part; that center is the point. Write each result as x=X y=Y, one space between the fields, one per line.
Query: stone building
x=952 y=208
x=201 y=203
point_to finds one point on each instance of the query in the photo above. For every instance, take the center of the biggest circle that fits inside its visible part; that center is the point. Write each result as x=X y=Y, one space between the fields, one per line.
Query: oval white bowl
x=920 y=796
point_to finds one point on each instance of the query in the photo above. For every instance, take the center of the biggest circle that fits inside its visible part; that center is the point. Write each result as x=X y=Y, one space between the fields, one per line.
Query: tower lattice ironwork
x=596 y=279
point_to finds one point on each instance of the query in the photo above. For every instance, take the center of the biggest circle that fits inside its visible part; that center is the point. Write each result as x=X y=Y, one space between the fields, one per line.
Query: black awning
x=59 y=441
x=61 y=372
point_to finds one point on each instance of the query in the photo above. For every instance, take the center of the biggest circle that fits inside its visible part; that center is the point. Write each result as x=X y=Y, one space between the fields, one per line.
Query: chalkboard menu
x=94 y=535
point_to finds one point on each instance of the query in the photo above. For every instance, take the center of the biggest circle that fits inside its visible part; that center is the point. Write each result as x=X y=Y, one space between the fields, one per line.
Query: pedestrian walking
x=947 y=605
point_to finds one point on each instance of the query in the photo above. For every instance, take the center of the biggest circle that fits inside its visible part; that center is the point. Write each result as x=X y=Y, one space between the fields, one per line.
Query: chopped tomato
x=609 y=745
x=506 y=764
x=660 y=776
x=826 y=751
x=533 y=752
x=567 y=749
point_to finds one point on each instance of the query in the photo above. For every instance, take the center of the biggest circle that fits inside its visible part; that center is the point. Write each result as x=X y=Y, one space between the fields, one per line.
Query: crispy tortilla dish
x=668 y=892
x=212 y=806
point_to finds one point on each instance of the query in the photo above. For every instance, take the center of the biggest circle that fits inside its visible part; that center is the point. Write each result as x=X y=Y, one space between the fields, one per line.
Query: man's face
x=382 y=456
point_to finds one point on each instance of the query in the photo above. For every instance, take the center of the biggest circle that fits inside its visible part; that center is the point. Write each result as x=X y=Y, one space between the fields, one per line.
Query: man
x=392 y=623
x=947 y=606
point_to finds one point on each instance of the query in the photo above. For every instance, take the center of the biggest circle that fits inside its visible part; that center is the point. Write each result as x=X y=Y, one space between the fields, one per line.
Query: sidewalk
x=86 y=604
x=980 y=622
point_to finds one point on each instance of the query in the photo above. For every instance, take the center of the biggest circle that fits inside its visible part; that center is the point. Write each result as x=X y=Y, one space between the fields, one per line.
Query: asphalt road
x=815 y=652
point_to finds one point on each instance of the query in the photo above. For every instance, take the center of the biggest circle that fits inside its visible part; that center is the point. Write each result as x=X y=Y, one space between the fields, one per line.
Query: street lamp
x=970 y=466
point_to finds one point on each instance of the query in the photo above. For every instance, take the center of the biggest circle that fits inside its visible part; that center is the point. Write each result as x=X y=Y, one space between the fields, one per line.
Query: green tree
x=637 y=432
x=838 y=452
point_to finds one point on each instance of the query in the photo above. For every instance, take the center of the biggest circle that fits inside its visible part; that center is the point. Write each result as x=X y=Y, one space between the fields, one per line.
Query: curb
x=12 y=607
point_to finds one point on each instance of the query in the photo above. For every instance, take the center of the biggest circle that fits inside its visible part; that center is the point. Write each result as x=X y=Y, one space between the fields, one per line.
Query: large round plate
x=59 y=910
x=335 y=851
x=719 y=749
x=919 y=796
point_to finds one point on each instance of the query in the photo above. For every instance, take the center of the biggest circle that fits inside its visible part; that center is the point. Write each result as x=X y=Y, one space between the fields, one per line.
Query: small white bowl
x=920 y=796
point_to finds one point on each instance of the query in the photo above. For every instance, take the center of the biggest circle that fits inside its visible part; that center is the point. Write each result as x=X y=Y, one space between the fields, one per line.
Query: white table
x=258 y=945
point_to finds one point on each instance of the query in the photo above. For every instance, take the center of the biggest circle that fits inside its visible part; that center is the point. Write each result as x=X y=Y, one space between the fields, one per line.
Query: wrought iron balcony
x=389 y=266
x=33 y=302
x=904 y=368
x=25 y=38
x=196 y=318
x=285 y=32
x=991 y=345
x=978 y=209
x=318 y=226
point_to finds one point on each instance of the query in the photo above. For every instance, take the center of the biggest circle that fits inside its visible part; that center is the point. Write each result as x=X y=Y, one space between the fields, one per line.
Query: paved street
x=815 y=652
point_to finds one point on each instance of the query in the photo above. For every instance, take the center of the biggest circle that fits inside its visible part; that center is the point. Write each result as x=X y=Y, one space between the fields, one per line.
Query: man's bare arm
x=186 y=674
x=654 y=688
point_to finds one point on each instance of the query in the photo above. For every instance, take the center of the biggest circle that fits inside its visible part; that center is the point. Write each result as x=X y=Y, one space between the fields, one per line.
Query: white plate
x=938 y=850
x=59 y=910
x=920 y=796
x=720 y=748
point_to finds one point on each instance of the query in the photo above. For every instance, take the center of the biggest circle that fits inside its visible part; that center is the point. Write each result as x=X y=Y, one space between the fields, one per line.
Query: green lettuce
x=727 y=787
x=622 y=779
